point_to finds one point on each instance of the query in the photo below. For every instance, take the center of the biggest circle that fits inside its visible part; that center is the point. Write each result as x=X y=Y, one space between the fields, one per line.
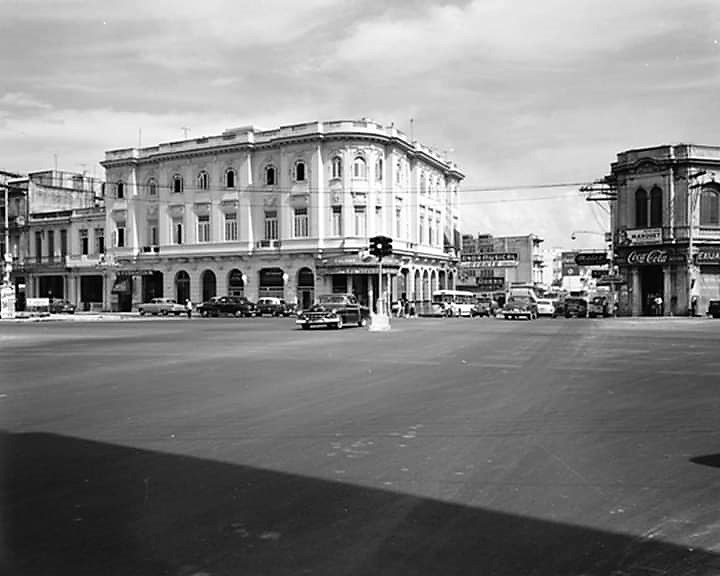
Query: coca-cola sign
x=656 y=257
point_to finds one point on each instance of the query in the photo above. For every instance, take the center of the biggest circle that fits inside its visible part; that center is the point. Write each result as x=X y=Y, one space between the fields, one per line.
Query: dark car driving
x=576 y=306
x=62 y=307
x=334 y=311
x=237 y=306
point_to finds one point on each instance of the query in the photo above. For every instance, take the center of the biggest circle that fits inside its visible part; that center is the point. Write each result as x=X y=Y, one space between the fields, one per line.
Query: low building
x=59 y=238
x=666 y=228
x=285 y=212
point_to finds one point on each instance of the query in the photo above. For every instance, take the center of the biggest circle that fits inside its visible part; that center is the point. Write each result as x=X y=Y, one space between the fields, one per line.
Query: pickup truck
x=161 y=306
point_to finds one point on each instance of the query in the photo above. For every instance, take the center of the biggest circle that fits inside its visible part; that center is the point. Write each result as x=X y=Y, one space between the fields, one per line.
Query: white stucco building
x=284 y=212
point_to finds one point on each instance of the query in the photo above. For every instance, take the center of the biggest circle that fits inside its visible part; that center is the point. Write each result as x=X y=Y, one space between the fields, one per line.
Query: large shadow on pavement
x=76 y=507
x=707 y=460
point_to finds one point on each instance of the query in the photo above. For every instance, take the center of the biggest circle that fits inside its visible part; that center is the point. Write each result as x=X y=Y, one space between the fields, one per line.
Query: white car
x=546 y=307
x=162 y=306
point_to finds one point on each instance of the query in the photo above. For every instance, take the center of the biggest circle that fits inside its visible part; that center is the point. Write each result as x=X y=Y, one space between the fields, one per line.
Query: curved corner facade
x=286 y=212
x=666 y=226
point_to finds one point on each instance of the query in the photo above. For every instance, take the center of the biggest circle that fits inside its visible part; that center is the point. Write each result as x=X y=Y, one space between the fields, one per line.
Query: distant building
x=57 y=237
x=666 y=227
x=501 y=261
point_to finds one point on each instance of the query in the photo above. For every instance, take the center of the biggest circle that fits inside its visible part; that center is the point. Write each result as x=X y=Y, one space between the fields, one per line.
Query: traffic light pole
x=380 y=322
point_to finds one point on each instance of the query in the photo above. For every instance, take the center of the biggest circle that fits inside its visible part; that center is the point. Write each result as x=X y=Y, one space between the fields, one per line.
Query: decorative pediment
x=229 y=206
x=176 y=210
x=119 y=215
x=646 y=167
x=202 y=208
x=299 y=200
x=359 y=198
x=270 y=200
x=152 y=211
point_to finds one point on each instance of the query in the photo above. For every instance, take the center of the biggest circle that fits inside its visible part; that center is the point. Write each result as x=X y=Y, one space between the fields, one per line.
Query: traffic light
x=380 y=246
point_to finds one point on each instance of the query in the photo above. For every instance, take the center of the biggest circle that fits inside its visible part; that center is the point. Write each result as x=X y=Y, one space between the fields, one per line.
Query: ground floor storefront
x=297 y=278
x=663 y=281
x=85 y=288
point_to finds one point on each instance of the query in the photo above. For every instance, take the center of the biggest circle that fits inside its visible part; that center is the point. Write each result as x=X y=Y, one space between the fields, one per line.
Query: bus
x=453 y=303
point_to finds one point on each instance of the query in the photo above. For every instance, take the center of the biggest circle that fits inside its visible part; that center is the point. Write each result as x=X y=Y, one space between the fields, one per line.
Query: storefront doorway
x=152 y=286
x=305 y=288
x=651 y=286
x=91 y=292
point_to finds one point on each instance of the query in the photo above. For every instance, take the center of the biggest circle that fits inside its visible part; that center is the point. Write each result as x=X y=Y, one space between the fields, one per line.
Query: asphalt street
x=445 y=446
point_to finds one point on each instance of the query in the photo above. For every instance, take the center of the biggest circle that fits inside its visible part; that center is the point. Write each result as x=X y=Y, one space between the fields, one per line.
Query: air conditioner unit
x=263 y=243
x=147 y=248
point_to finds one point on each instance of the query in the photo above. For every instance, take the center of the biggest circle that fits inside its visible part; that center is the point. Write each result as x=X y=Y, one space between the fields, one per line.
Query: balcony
x=261 y=244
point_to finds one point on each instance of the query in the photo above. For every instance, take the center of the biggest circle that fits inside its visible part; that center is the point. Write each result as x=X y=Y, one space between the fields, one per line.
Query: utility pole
x=7 y=295
x=692 y=267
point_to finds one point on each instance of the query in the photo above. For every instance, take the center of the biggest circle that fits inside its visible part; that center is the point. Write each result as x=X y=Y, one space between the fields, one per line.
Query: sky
x=519 y=93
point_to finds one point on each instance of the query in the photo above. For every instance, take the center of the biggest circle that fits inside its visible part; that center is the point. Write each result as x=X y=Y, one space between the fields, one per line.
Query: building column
x=636 y=302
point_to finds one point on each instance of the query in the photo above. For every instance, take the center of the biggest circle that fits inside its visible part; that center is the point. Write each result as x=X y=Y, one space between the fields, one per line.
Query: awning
x=122 y=286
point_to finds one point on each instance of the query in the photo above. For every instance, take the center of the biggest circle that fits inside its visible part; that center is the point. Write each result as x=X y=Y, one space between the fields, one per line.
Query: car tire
x=141 y=312
x=362 y=322
x=164 y=312
x=305 y=326
x=339 y=324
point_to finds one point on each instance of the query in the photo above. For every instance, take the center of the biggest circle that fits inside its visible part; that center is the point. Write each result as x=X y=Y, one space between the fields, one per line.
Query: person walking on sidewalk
x=188 y=308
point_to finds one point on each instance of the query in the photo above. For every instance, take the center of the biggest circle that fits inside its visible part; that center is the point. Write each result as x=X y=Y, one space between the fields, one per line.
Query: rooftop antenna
x=412 y=129
x=139 y=137
x=185 y=130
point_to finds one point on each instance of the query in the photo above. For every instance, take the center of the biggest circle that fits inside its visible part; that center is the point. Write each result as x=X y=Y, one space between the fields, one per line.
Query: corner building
x=285 y=212
x=666 y=228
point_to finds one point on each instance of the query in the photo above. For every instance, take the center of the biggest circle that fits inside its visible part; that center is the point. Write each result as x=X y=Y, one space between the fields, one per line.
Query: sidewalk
x=77 y=317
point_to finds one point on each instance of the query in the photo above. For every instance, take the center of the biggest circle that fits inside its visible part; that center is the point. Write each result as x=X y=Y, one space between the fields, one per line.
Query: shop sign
x=135 y=272
x=598 y=273
x=653 y=257
x=707 y=257
x=591 y=258
x=639 y=236
x=491 y=283
x=489 y=260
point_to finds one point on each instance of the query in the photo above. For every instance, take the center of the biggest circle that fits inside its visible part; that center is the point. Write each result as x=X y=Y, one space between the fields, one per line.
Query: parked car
x=162 y=306
x=273 y=307
x=484 y=307
x=599 y=306
x=520 y=307
x=714 y=308
x=237 y=306
x=576 y=306
x=546 y=307
x=334 y=311
x=62 y=307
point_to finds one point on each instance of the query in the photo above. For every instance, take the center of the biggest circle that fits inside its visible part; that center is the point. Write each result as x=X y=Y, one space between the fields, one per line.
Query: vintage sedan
x=161 y=306
x=334 y=311
x=519 y=307
x=62 y=307
x=546 y=307
x=237 y=306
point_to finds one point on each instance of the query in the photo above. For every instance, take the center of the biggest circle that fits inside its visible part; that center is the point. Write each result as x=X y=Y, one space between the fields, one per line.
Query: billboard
x=489 y=260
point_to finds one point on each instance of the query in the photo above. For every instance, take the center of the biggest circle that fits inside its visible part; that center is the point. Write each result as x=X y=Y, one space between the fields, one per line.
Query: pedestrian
x=188 y=308
x=658 y=305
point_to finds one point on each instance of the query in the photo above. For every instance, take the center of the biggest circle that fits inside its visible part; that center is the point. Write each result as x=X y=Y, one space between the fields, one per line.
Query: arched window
x=359 y=168
x=230 y=178
x=300 y=171
x=710 y=207
x=182 y=286
x=177 y=184
x=236 y=283
x=379 y=169
x=203 y=180
x=641 y=208
x=398 y=172
x=270 y=175
x=152 y=187
x=337 y=167
x=656 y=208
x=208 y=282
x=423 y=183
x=120 y=189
